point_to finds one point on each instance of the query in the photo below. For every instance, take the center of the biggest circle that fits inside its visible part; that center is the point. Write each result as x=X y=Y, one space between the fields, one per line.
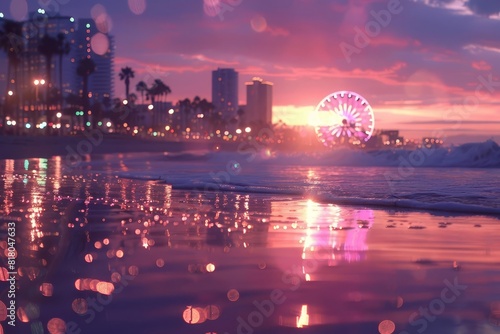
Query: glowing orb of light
x=233 y=295
x=100 y=43
x=56 y=326
x=386 y=327
x=258 y=23
x=137 y=6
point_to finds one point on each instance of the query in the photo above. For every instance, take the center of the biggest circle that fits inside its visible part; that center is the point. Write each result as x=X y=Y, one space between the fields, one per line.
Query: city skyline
x=417 y=78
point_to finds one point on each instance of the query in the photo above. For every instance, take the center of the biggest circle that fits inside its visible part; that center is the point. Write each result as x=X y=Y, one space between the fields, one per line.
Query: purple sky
x=418 y=69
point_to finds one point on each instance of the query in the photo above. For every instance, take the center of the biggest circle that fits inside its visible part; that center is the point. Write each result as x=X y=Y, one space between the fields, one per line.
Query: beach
x=196 y=243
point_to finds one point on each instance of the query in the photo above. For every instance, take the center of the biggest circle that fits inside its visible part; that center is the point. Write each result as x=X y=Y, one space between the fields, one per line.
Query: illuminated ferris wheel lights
x=343 y=117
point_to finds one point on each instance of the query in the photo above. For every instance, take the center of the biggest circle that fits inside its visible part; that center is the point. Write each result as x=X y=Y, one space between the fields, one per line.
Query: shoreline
x=24 y=147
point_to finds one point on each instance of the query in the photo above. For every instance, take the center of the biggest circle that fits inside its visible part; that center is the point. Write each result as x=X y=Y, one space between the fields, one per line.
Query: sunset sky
x=428 y=65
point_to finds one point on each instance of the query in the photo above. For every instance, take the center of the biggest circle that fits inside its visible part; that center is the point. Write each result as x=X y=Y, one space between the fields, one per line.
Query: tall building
x=34 y=63
x=259 y=107
x=78 y=34
x=225 y=92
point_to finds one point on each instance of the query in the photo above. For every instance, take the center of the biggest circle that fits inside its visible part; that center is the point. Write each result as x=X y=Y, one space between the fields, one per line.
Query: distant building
x=78 y=33
x=259 y=107
x=225 y=92
x=34 y=63
x=432 y=142
x=391 y=138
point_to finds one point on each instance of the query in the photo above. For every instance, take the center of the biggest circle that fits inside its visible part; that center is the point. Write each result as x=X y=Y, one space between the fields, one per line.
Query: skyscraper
x=34 y=63
x=78 y=34
x=259 y=101
x=225 y=92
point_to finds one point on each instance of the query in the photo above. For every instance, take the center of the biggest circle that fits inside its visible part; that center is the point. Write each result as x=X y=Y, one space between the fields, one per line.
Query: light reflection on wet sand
x=103 y=255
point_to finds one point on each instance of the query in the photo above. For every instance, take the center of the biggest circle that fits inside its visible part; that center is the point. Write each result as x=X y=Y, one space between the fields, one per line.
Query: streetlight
x=37 y=82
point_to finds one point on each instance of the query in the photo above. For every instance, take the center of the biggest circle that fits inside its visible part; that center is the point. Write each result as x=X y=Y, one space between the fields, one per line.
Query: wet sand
x=19 y=147
x=100 y=254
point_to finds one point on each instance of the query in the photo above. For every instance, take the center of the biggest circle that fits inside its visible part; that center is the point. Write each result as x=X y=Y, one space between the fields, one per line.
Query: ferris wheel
x=343 y=117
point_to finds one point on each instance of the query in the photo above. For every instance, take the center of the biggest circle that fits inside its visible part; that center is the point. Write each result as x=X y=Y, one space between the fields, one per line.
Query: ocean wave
x=206 y=185
x=472 y=155
x=410 y=204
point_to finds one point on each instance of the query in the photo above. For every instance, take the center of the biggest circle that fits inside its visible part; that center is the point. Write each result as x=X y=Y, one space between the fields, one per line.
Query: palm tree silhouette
x=85 y=68
x=126 y=74
x=157 y=89
x=141 y=87
x=12 y=43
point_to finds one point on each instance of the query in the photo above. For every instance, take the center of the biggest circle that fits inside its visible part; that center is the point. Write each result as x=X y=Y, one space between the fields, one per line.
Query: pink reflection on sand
x=335 y=234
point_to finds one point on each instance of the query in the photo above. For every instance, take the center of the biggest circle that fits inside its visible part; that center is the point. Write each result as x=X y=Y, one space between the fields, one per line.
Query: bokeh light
x=46 y=289
x=19 y=9
x=3 y=311
x=116 y=277
x=212 y=312
x=386 y=327
x=258 y=23
x=191 y=315
x=212 y=7
x=105 y=288
x=56 y=326
x=4 y=274
x=79 y=306
x=133 y=270
x=97 y=10
x=233 y=295
x=104 y=23
x=99 y=43
x=137 y=6
x=160 y=263
x=210 y=267
x=21 y=315
x=119 y=253
x=89 y=258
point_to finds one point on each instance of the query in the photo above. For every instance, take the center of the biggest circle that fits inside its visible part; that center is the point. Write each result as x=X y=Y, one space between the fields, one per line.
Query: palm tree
x=63 y=48
x=141 y=87
x=85 y=68
x=11 y=42
x=126 y=74
x=157 y=89
x=47 y=47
